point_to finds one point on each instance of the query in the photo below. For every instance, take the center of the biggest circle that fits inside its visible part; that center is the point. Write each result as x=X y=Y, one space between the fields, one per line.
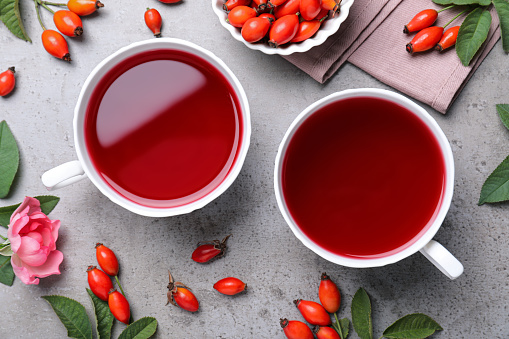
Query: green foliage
x=143 y=328
x=11 y=17
x=502 y=7
x=472 y=33
x=412 y=326
x=73 y=315
x=6 y=272
x=103 y=317
x=361 y=314
x=9 y=158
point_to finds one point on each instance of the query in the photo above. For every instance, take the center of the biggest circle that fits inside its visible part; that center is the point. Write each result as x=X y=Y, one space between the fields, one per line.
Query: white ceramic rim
x=328 y=28
x=449 y=186
x=96 y=75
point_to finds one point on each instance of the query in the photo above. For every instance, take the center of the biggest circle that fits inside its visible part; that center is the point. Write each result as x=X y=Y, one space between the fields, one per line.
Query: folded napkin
x=372 y=39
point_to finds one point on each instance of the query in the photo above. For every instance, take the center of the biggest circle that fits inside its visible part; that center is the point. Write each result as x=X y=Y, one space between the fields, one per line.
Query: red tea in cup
x=363 y=177
x=163 y=128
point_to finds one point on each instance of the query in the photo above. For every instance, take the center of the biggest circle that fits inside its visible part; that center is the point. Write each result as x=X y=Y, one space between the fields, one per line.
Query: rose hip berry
x=421 y=20
x=106 y=259
x=119 y=306
x=7 y=81
x=329 y=295
x=295 y=329
x=230 y=286
x=153 y=21
x=309 y=9
x=306 y=30
x=84 y=7
x=181 y=295
x=68 y=23
x=425 y=39
x=99 y=282
x=255 y=29
x=448 y=39
x=240 y=14
x=324 y=332
x=283 y=30
x=209 y=250
x=313 y=312
x=231 y=4
x=54 y=43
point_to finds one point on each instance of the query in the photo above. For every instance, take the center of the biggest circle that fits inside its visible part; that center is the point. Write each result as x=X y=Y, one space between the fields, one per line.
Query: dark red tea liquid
x=363 y=178
x=163 y=128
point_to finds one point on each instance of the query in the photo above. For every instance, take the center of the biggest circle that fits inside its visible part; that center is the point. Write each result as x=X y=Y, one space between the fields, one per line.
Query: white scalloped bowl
x=329 y=27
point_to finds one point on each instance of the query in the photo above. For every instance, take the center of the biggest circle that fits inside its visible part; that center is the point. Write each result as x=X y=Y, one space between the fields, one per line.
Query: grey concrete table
x=263 y=251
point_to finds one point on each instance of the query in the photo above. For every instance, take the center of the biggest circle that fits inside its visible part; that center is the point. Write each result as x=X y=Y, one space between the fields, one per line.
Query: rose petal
x=37 y=237
x=34 y=225
x=47 y=239
x=17 y=226
x=22 y=272
x=51 y=266
x=31 y=252
x=55 y=226
x=28 y=206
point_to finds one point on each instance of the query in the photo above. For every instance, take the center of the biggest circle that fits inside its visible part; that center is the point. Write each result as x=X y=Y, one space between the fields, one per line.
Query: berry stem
x=338 y=326
x=39 y=14
x=44 y=5
x=119 y=286
x=446 y=8
x=52 y=3
x=447 y=24
x=4 y=238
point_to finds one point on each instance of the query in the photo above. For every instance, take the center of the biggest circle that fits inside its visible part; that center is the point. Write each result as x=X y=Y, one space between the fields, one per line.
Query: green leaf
x=361 y=314
x=11 y=17
x=9 y=158
x=103 y=316
x=140 y=329
x=6 y=272
x=472 y=33
x=5 y=249
x=502 y=7
x=72 y=314
x=503 y=113
x=48 y=203
x=463 y=2
x=345 y=327
x=496 y=187
x=412 y=326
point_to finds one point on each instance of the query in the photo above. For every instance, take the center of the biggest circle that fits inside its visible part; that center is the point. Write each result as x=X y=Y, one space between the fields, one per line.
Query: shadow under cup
x=163 y=128
x=362 y=179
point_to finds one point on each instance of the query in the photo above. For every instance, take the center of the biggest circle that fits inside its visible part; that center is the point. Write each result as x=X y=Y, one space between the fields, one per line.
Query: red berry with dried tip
x=448 y=39
x=106 y=259
x=231 y=4
x=209 y=250
x=283 y=30
x=99 y=282
x=295 y=329
x=425 y=39
x=329 y=295
x=423 y=19
x=84 y=7
x=181 y=295
x=54 y=43
x=324 y=332
x=68 y=23
x=153 y=21
x=230 y=286
x=313 y=312
x=7 y=81
x=119 y=306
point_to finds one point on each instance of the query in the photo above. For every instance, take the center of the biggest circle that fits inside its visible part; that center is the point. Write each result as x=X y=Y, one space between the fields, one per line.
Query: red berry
x=230 y=286
x=231 y=4
x=324 y=332
x=313 y=312
x=329 y=295
x=425 y=39
x=99 y=282
x=84 y=7
x=448 y=39
x=7 y=81
x=283 y=30
x=295 y=329
x=154 y=21
x=180 y=295
x=240 y=14
x=309 y=9
x=422 y=20
x=55 y=44
x=209 y=250
x=119 y=306
x=68 y=23
x=106 y=259
x=255 y=29
x=306 y=30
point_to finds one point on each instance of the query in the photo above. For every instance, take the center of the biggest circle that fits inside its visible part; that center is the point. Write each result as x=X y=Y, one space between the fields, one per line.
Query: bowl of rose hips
x=282 y=26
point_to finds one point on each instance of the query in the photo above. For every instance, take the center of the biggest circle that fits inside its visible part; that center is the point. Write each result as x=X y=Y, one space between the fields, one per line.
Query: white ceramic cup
x=74 y=171
x=431 y=249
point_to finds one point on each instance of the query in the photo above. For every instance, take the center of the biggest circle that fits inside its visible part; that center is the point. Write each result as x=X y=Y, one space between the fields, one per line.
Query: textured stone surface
x=264 y=253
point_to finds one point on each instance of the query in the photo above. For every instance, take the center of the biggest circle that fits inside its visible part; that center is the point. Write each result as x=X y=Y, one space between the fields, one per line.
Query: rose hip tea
x=163 y=128
x=363 y=177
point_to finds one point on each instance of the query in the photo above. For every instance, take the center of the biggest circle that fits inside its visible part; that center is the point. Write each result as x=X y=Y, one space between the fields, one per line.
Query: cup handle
x=442 y=259
x=63 y=175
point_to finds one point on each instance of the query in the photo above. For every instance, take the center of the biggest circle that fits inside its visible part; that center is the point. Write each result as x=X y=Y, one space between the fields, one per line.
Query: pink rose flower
x=33 y=235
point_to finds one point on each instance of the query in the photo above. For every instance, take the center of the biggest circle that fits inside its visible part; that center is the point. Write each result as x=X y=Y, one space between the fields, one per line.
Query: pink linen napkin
x=372 y=38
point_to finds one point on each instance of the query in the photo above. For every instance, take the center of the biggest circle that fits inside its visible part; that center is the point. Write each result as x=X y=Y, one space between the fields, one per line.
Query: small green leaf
x=412 y=326
x=361 y=314
x=140 y=329
x=502 y=7
x=496 y=187
x=48 y=203
x=9 y=158
x=11 y=17
x=5 y=249
x=103 y=317
x=6 y=272
x=72 y=314
x=463 y=2
x=503 y=113
x=345 y=327
x=472 y=33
